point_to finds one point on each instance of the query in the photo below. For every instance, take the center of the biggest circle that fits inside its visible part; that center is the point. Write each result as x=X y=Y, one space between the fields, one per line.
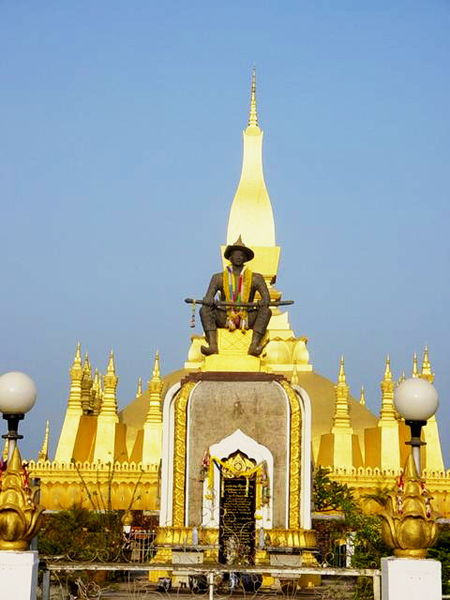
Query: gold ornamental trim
x=295 y=456
x=179 y=462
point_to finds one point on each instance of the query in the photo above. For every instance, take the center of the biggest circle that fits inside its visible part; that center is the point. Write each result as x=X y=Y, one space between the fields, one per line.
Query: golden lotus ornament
x=408 y=521
x=20 y=515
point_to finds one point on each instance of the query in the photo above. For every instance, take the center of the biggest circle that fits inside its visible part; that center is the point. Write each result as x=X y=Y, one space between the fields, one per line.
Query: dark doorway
x=237 y=521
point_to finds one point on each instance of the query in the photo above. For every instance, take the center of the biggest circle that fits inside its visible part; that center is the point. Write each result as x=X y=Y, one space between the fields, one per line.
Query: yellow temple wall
x=366 y=480
x=121 y=486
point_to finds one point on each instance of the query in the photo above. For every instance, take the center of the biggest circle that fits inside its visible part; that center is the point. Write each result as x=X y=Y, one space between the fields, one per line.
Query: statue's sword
x=239 y=304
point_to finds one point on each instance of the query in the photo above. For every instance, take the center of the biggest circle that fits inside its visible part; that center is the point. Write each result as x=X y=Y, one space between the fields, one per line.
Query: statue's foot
x=208 y=350
x=255 y=349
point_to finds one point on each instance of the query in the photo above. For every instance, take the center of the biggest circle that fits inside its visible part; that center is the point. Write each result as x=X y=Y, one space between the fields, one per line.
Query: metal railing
x=212 y=575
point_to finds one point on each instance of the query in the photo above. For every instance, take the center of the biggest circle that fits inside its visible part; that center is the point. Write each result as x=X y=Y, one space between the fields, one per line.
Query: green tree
x=363 y=529
x=441 y=552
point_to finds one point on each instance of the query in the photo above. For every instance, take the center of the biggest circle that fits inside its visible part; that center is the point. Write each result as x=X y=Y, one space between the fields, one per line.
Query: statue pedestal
x=19 y=572
x=410 y=579
x=233 y=348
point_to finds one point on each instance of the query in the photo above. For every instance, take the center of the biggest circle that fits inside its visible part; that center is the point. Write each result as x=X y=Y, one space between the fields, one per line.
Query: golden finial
x=87 y=364
x=97 y=392
x=415 y=370
x=111 y=368
x=155 y=387
x=43 y=452
x=387 y=370
x=362 y=397
x=253 y=118
x=401 y=378
x=341 y=414
x=427 y=372
x=387 y=393
x=341 y=376
x=77 y=358
x=96 y=386
x=156 y=372
x=139 y=388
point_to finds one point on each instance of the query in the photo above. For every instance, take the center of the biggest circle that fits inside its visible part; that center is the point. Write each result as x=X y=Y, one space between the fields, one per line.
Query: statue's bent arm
x=261 y=287
x=215 y=285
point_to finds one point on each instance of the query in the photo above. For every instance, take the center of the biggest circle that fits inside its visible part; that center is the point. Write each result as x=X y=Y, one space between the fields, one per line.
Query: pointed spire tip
x=253 y=117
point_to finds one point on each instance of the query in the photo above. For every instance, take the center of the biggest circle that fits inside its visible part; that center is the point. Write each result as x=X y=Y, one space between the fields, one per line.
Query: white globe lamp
x=416 y=400
x=17 y=396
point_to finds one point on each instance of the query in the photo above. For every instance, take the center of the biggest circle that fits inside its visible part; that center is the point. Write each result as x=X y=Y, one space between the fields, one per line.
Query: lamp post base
x=19 y=574
x=410 y=579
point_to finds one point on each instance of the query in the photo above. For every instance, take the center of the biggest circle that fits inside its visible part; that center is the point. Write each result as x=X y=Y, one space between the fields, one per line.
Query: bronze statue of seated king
x=229 y=301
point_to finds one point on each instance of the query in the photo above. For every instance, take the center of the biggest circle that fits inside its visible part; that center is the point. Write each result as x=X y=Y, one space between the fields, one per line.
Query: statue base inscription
x=237 y=521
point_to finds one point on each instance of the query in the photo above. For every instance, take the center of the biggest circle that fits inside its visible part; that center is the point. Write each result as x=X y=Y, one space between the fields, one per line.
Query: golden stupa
x=142 y=458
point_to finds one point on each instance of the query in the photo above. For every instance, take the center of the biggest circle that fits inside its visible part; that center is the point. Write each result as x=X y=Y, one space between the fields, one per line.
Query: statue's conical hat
x=239 y=245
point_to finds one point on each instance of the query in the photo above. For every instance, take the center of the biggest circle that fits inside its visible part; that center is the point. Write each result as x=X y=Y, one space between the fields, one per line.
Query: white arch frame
x=257 y=452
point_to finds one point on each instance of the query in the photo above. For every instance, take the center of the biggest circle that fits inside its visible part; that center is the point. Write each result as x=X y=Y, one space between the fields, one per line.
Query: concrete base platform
x=410 y=579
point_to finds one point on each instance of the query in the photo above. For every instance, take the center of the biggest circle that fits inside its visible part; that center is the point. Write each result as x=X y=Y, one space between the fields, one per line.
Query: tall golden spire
x=111 y=368
x=109 y=400
x=139 y=388
x=86 y=386
x=427 y=372
x=253 y=117
x=341 y=376
x=251 y=215
x=97 y=392
x=77 y=357
x=341 y=414
x=154 y=414
x=387 y=394
x=152 y=443
x=74 y=412
x=156 y=370
x=76 y=376
x=388 y=423
x=362 y=397
x=87 y=364
x=415 y=369
x=43 y=452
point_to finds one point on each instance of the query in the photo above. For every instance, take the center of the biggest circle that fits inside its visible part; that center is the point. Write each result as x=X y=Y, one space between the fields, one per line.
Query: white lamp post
x=17 y=397
x=416 y=400
x=20 y=513
x=411 y=529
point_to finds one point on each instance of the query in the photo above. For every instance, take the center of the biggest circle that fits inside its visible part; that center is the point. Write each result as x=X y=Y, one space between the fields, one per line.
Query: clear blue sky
x=121 y=150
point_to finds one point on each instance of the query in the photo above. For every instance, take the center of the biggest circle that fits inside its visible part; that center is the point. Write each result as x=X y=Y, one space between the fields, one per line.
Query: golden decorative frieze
x=179 y=462
x=290 y=538
x=184 y=536
x=295 y=456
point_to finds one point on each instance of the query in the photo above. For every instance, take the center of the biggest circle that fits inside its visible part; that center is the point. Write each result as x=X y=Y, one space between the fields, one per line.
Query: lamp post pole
x=415 y=442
